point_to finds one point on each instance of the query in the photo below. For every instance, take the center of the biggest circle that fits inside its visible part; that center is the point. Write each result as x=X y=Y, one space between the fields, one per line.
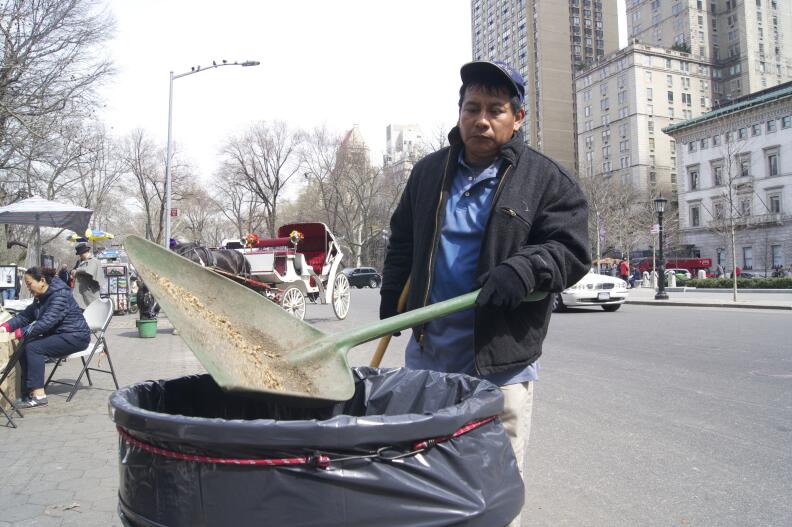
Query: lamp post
x=660 y=203
x=196 y=69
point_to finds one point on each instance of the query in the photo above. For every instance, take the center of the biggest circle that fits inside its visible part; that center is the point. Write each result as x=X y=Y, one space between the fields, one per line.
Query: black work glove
x=389 y=302
x=501 y=288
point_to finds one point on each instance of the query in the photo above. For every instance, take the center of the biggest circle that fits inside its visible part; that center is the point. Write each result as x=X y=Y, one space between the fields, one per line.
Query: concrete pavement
x=776 y=299
x=60 y=466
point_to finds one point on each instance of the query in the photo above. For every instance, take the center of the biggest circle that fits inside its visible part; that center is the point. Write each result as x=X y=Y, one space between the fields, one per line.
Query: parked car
x=593 y=289
x=363 y=276
x=683 y=272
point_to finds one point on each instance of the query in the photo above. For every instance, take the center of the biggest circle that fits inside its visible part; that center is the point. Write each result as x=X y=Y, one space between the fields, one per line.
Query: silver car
x=592 y=290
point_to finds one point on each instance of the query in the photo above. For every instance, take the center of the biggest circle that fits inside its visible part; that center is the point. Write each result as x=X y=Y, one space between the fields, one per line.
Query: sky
x=334 y=63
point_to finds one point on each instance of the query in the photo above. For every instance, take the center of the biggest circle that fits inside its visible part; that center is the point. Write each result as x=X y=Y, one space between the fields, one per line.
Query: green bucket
x=147 y=329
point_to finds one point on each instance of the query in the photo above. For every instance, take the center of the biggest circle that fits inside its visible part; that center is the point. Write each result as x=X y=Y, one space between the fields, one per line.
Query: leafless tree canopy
x=263 y=160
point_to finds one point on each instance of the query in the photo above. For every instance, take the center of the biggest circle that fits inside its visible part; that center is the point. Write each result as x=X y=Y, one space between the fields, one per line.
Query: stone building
x=735 y=166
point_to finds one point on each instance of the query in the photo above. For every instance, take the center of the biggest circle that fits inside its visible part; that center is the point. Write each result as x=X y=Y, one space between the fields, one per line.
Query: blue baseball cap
x=484 y=69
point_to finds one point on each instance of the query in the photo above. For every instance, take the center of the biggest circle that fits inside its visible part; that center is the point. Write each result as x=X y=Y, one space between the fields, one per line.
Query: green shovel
x=247 y=342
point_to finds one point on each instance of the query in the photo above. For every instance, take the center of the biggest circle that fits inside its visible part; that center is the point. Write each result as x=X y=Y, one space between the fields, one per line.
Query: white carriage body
x=312 y=264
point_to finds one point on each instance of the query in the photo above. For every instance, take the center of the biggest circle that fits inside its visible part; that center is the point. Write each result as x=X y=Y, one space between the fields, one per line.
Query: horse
x=227 y=260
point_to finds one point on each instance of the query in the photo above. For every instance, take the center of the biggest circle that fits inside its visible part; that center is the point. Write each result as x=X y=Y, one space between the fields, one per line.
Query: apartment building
x=547 y=41
x=736 y=163
x=623 y=103
x=748 y=42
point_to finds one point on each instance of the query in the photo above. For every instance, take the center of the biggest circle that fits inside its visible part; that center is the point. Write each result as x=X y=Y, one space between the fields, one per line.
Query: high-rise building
x=547 y=41
x=623 y=103
x=747 y=42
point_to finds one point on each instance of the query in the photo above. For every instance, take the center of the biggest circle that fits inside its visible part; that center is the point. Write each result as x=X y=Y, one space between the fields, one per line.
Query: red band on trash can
x=319 y=460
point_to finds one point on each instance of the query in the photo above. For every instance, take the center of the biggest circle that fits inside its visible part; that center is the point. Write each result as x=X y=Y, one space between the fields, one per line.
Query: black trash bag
x=149 y=307
x=468 y=480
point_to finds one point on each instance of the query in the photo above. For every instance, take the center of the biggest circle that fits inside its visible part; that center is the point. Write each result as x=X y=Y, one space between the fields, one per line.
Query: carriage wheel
x=341 y=296
x=293 y=301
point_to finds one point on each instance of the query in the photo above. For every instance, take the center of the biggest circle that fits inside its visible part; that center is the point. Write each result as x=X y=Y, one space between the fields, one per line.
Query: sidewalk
x=60 y=466
x=713 y=298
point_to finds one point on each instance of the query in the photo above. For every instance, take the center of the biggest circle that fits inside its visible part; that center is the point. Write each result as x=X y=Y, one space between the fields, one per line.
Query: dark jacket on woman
x=53 y=313
x=538 y=224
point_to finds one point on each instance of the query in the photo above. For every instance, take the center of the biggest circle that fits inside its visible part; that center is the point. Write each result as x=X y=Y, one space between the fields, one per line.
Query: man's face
x=487 y=122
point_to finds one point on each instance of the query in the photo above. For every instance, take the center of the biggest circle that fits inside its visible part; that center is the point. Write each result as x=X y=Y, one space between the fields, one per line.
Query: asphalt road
x=651 y=416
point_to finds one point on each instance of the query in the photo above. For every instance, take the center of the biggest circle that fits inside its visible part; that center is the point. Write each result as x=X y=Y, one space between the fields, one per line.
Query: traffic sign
x=174 y=213
x=655 y=229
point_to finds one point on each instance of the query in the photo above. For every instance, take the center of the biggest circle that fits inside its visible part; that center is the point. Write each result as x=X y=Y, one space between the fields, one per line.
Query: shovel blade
x=242 y=339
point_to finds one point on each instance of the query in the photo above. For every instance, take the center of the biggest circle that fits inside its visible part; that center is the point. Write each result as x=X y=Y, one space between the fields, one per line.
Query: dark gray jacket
x=538 y=222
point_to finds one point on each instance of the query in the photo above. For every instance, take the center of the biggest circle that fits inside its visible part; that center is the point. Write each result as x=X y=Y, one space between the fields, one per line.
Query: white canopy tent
x=40 y=212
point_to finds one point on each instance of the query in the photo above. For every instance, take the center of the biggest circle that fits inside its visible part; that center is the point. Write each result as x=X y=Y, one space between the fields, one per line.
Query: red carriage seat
x=314 y=244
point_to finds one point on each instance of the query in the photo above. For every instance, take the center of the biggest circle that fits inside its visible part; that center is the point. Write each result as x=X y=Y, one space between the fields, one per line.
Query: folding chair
x=98 y=315
x=5 y=371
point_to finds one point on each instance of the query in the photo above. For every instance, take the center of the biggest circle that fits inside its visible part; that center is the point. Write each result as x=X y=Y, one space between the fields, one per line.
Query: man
x=624 y=270
x=86 y=277
x=487 y=212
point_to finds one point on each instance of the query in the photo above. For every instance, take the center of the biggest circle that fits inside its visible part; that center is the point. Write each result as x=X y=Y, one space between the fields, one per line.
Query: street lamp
x=660 y=203
x=193 y=70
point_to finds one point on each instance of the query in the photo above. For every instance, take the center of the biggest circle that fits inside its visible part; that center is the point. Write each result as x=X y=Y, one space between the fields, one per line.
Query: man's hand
x=389 y=306
x=502 y=288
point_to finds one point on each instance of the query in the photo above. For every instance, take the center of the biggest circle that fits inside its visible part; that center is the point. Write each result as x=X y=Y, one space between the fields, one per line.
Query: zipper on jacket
x=511 y=212
x=434 y=238
x=486 y=229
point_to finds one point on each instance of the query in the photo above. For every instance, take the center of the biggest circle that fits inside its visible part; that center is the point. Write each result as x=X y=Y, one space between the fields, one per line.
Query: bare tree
x=241 y=207
x=50 y=65
x=319 y=156
x=264 y=160
x=144 y=165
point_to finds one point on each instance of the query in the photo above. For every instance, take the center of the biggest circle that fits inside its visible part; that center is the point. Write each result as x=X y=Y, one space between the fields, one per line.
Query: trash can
x=147 y=328
x=411 y=447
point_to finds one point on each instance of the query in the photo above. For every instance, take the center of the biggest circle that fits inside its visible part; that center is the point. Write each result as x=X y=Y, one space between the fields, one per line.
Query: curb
x=708 y=304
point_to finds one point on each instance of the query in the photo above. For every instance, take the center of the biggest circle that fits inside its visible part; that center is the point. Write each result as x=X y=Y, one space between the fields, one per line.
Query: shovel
x=249 y=343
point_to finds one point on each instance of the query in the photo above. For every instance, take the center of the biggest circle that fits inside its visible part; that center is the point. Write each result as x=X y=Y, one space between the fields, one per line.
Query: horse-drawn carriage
x=302 y=262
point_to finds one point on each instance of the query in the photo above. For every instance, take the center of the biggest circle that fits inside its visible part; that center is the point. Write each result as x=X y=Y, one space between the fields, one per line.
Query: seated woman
x=52 y=326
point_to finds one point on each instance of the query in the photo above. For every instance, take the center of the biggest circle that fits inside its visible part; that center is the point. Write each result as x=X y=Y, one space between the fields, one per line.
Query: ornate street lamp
x=660 y=203
x=193 y=70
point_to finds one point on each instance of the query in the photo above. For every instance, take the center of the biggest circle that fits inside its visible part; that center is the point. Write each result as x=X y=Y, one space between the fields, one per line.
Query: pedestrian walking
x=506 y=218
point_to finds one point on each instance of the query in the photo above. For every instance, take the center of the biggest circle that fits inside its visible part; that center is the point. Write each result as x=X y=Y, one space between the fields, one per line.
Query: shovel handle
x=384 y=341
x=416 y=317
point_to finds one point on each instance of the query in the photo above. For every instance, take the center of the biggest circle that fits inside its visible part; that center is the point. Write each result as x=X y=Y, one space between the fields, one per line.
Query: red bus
x=691 y=264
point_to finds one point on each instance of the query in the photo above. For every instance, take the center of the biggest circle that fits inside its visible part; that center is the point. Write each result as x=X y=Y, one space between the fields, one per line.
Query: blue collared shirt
x=448 y=343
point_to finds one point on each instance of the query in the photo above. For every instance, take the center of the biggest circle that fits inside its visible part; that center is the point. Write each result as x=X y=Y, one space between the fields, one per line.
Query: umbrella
x=44 y=213
x=40 y=212
x=91 y=235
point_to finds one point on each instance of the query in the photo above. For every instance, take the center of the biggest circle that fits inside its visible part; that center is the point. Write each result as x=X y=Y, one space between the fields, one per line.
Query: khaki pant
x=516 y=418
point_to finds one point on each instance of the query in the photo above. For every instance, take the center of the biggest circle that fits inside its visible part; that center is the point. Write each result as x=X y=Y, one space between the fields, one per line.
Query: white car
x=593 y=290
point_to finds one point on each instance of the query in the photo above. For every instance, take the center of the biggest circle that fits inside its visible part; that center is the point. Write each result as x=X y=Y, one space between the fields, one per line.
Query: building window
x=695 y=216
x=718 y=210
x=774 y=203
x=694 y=178
x=704 y=144
x=756 y=129
x=771 y=126
x=772 y=162
x=742 y=133
x=648 y=94
x=777 y=256
x=670 y=96
x=747 y=258
x=745 y=207
x=716 y=140
x=745 y=166
x=786 y=121
x=717 y=175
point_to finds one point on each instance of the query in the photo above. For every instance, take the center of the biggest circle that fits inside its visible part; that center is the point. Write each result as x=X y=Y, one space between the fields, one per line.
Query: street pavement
x=645 y=416
x=692 y=297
